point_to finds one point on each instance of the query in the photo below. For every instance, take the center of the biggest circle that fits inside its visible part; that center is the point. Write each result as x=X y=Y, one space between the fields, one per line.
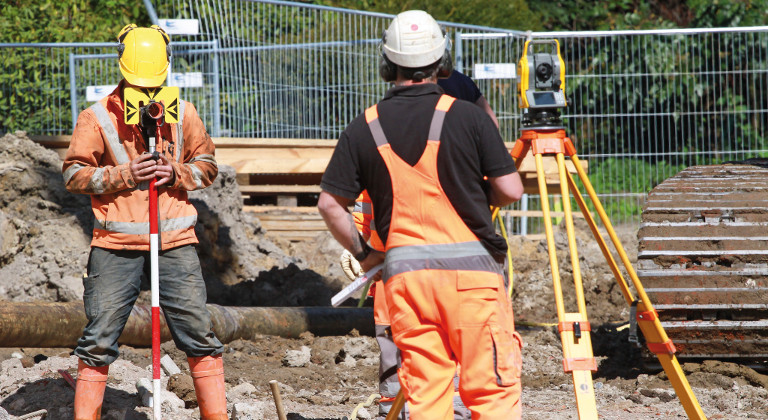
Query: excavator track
x=703 y=260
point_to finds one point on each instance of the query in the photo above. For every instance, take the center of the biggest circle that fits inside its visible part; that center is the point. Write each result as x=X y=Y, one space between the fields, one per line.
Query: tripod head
x=541 y=84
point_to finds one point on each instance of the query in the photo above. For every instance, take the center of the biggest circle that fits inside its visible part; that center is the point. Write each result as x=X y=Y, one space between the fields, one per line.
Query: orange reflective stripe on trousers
x=446 y=298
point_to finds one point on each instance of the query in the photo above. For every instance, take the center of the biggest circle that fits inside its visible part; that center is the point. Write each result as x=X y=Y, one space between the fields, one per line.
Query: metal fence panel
x=290 y=69
x=645 y=104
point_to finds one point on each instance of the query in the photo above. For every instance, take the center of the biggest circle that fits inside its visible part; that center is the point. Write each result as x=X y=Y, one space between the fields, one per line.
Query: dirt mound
x=533 y=290
x=43 y=227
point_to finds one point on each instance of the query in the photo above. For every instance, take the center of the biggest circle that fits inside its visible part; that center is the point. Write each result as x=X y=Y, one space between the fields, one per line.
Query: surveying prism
x=152 y=108
x=138 y=100
x=541 y=85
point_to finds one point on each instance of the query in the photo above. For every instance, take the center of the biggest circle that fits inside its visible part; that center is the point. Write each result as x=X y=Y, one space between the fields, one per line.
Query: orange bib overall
x=446 y=295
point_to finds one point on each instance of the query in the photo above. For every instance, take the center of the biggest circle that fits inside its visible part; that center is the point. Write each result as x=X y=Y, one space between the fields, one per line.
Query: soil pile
x=44 y=238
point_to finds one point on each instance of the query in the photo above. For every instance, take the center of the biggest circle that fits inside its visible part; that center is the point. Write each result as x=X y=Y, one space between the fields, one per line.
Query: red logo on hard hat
x=414 y=27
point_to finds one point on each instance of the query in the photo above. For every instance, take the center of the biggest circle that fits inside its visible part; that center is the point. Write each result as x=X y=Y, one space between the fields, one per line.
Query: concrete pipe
x=60 y=324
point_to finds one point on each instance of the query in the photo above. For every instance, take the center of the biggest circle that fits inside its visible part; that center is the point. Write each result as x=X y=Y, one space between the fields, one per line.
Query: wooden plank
x=278 y=209
x=550 y=165
x=53 y=142
x=285 y=160
x=259 y=143
x=289 y=223
x=280 y=189
x=295 y=225
x=538 y=213
x=294 y=236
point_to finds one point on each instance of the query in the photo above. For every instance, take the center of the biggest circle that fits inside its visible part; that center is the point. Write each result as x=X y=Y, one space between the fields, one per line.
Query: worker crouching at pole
x=422 y=157
x=108 y=160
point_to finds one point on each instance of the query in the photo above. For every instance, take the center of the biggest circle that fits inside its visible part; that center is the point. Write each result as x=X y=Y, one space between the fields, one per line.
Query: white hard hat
x=414 y=39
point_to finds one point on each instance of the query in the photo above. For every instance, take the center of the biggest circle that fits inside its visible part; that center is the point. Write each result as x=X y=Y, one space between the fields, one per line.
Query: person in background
x=461 y=86
x=109 y=160
x=423 y=158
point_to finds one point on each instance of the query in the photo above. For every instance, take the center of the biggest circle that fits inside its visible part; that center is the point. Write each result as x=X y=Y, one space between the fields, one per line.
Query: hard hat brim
x=144 y=81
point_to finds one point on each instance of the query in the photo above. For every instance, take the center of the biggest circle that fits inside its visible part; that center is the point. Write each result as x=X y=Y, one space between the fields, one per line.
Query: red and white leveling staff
x=156 y=111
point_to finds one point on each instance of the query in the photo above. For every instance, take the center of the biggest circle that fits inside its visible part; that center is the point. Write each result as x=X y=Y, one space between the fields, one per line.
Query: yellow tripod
x=574 y=327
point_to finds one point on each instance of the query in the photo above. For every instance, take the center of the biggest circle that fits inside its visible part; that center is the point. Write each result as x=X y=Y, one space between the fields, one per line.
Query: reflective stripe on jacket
x=98 y=163
x=363 y=214
x=425 y=232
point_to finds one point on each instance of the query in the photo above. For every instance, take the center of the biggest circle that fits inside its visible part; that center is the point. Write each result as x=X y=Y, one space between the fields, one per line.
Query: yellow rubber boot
x=208 y=377
x=89 y=391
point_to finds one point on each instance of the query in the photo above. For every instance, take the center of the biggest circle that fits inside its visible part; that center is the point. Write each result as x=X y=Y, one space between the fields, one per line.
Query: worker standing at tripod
x=422 y=157
x=108 y=160
x=460 y=86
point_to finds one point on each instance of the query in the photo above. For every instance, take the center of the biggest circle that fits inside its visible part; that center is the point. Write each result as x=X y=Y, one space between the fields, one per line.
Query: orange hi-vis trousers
x=441 y=318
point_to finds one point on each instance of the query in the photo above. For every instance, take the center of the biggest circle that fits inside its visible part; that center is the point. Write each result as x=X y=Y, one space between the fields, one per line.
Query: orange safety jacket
x=98 y=163
x=363 y=214
x=425 y=232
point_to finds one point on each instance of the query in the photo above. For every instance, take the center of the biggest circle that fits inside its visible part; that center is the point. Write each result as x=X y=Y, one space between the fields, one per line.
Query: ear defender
x=387 y=69
x=446 y=62
x=121 y=37
x=165 y=37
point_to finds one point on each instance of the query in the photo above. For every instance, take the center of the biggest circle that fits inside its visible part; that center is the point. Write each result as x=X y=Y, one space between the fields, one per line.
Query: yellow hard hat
x=144 y=55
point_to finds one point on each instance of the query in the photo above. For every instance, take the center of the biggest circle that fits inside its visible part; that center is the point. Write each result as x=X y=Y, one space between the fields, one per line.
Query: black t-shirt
x=460 y=86
x=470 y=148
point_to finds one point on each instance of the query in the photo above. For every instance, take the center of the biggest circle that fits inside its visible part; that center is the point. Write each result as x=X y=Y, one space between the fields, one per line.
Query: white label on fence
x=495 y=71
x=95 y=93
x=180 y=26
x=186 y=80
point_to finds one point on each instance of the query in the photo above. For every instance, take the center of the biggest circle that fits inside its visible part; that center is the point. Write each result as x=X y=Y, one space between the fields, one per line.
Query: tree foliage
x=509 y=14
x=585 y=15
x=32 y=79
x=68 y=21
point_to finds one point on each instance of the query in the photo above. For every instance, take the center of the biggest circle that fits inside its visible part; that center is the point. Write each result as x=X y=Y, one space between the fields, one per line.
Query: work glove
x=350 y=265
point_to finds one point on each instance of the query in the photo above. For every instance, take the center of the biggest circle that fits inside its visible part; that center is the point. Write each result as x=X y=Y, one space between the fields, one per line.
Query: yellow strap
x=511 y=269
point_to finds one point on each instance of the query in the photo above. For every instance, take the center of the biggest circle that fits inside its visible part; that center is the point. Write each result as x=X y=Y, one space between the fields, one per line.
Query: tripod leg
x=573 y=327
x=571 y=236
x=550 y=237
x=648 y=321
x=579 y=358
